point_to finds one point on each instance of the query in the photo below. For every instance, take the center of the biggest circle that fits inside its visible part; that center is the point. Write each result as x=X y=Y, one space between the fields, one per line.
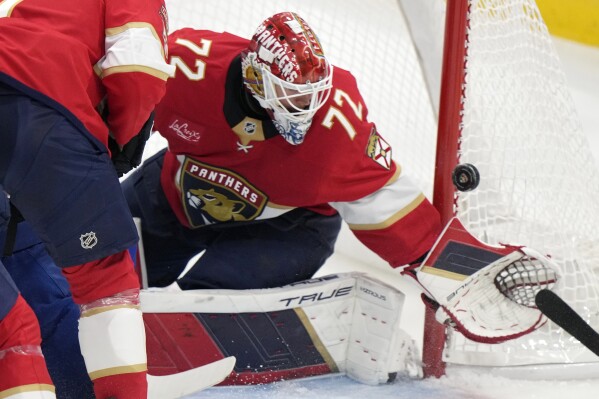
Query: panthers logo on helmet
x=310 y=36
x=252 y=77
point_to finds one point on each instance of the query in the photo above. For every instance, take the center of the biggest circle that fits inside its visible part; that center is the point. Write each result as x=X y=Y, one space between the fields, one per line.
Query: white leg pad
x=353 y=319
x=378 y=347
x=113 y=341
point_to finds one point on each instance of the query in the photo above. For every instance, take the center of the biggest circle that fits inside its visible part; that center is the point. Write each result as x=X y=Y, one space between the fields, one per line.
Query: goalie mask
x=284 y=68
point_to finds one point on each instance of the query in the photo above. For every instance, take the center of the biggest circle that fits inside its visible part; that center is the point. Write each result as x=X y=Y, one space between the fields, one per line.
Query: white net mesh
x=538 y=182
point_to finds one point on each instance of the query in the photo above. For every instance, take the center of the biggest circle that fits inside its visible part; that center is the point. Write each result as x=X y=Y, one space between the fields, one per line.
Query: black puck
x=465 y=177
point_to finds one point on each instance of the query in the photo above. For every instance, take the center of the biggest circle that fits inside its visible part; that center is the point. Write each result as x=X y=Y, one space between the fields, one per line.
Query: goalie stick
x=177 y=385
x=558 y=311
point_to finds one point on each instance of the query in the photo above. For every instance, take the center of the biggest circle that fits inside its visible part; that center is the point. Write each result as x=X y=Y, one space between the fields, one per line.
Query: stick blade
x=564 y=316
x=177 y=385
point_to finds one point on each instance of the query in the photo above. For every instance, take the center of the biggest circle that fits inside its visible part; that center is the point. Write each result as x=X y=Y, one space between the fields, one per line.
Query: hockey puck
x=465 y=177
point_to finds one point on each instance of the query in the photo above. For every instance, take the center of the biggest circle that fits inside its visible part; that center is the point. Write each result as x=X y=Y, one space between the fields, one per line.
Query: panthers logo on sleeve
x=378 y=149
x=216 y=195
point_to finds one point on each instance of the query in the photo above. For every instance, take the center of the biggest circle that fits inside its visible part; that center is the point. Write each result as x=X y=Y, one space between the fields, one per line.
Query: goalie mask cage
x=504 y=107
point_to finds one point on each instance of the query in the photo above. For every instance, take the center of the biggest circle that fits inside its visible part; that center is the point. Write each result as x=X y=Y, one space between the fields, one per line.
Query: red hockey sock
x=22 y=365
x=111 y=330
x=101 y=278
x=126 y=386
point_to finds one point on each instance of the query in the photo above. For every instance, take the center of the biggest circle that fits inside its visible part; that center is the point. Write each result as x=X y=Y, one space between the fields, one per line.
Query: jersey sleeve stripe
x=135 y=68
x=383 y=207
x=7 y=7
x=135 y=47
x=111 y=32
x=390 y=221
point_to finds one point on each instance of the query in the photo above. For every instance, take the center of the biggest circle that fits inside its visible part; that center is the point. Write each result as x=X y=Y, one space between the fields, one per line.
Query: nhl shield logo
x=249 y=128
x=88 y=240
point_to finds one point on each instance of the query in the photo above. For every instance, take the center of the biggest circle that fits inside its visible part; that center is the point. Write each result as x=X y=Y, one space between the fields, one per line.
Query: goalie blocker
x=485 y=292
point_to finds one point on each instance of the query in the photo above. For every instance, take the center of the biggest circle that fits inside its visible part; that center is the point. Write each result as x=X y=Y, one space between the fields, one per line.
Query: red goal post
x=446 y=159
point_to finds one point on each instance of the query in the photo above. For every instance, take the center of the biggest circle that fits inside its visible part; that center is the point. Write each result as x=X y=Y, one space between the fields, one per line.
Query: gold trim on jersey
x=395 y=176
x=277 y=206
x=135 y=68
x=394 y=218
x=131 y=25
x=27 y=388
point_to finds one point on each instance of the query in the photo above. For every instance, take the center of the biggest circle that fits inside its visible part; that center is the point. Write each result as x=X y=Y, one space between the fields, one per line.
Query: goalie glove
x=485 y=292
x=129 y=156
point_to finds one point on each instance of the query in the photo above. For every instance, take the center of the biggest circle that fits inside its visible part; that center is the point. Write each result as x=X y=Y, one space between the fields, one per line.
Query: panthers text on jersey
x=224 y=164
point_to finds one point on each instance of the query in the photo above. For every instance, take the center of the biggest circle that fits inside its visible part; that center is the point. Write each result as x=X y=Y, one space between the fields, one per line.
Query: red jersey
x=225 y=163
x=71 y=54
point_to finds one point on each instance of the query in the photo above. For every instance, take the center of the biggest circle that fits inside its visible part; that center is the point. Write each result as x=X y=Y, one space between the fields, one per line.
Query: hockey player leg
x=86 y=227
x=111 y=329
x=47 y=292
x=485 y=292
x=22 y=366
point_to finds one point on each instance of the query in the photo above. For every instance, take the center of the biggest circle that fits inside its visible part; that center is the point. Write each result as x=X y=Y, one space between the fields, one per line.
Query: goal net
x=509 y=114
x=514 y=119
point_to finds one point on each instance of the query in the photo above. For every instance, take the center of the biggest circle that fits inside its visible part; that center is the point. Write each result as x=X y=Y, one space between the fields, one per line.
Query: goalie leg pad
x=378 y=349
x=346 y=323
